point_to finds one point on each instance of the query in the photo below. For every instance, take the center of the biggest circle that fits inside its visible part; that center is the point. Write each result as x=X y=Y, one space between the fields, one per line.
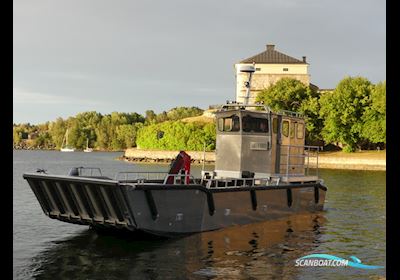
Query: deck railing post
x=287 y=161
x=308 y=160
x=317 y=161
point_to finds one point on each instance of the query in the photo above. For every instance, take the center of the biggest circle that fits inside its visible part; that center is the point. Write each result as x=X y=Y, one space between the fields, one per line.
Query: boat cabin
x=252 y=141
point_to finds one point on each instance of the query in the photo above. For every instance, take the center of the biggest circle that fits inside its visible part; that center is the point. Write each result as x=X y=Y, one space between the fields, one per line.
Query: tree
x=179 y=113
x=162 y=117
x=43 y=140
x=16 y=136
x=150 y=117
x=103 y=133
x=374 y=117
x=343 y=109
x=76 y=133
x=126 y=136
x=57 y=131
x=177 y=135
x=291 y=94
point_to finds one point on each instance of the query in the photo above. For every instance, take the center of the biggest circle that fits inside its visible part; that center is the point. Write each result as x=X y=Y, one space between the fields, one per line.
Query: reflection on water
x=258 y=251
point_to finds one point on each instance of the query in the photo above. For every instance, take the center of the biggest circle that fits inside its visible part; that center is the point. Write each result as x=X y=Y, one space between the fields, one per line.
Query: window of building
x=275 y=125
x=229 y=124
x=258 y=69
x=285 y=69
x=252 y=124
x=285 y=128
x=300 y=130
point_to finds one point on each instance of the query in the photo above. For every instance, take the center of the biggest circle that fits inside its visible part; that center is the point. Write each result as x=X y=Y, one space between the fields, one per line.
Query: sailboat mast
x=66 y=138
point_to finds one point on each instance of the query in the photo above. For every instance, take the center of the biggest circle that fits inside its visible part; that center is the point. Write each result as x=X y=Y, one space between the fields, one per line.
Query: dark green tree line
x=351 y=116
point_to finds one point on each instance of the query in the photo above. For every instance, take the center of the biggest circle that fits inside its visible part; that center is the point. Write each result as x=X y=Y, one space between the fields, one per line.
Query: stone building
x=271 y=66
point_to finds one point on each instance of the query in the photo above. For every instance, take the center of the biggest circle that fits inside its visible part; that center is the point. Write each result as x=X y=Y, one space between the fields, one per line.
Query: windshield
x=252 y=124
x=229 y=124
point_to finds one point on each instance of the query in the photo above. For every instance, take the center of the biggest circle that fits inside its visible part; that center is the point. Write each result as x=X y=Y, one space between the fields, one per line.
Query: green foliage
x=43 y=140
x=374 y=117
x=76 y=133
x=151 y=117
x=179 y=113
x=126 y=135
x=162 y=117
x=177 y=135
x=16 y=136
x=115 y=131
x=57 y=131
x=291 y=94
x=352 y=114
x=343 y=110
x=174 y=114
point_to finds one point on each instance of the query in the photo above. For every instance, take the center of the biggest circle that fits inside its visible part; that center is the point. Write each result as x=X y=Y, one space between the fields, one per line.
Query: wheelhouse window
x=229 y=124
x=285 y=128
x=300 y=130
x=275 y=125
x=292 y=131
x=253 y=124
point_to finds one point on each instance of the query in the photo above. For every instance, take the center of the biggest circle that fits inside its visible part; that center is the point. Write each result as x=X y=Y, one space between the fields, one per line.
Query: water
x=353 y=224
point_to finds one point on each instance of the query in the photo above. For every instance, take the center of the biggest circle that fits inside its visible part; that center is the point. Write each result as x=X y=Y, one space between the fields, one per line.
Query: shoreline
x=365 y=160
x=57 y=150
x=374 y=161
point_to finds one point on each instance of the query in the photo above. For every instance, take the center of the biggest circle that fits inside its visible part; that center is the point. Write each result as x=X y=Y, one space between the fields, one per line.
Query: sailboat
x=66 y=148
x=88 y=150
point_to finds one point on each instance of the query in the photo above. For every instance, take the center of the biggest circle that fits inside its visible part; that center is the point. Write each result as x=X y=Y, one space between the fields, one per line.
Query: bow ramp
x=86 y=201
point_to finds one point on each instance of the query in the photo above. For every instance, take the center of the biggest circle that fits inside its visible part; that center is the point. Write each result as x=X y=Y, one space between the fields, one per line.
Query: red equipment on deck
x=181 y=164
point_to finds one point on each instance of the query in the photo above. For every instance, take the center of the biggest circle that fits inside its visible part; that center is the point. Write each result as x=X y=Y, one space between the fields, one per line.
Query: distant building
x=271 y=66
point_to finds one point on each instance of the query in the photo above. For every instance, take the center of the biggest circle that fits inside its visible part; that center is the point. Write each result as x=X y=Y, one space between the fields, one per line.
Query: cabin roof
x=288 y=114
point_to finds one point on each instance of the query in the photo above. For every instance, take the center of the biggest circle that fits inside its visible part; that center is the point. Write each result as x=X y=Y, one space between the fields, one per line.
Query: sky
x=73 y=56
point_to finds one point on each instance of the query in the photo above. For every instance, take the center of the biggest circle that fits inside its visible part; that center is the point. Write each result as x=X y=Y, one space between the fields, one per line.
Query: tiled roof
x=270 y=55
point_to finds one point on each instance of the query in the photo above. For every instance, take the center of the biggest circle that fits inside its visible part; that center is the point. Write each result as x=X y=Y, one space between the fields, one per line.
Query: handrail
x=306 y=154
x=291 y=113
x=245 y=182
x=81 y=168
x=240 y=105
x=147 y=173
x=179 y=176
x=265 y=107
x=158 y=175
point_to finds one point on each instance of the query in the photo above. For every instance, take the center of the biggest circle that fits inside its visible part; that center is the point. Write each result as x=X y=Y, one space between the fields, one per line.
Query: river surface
x=352 y=224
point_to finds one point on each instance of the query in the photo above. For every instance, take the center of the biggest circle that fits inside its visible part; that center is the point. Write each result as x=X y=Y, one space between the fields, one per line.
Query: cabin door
x=284 y=145
x=286 y=153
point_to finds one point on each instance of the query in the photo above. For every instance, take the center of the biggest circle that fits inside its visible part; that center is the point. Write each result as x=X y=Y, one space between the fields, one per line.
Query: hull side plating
x=168 y=210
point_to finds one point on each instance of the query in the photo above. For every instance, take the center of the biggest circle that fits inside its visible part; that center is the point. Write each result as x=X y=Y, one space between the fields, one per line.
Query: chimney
x=270 y=47
x=304 y=59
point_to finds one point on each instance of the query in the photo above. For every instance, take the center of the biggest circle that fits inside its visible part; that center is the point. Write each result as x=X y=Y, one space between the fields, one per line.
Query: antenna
x=204 y=157
x=247 y=69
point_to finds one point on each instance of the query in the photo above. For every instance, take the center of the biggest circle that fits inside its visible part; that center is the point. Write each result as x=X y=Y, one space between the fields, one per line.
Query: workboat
x=262 y=172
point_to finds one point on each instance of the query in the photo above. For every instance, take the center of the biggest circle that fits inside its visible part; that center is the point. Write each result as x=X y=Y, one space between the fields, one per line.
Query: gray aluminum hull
x=168 y=210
